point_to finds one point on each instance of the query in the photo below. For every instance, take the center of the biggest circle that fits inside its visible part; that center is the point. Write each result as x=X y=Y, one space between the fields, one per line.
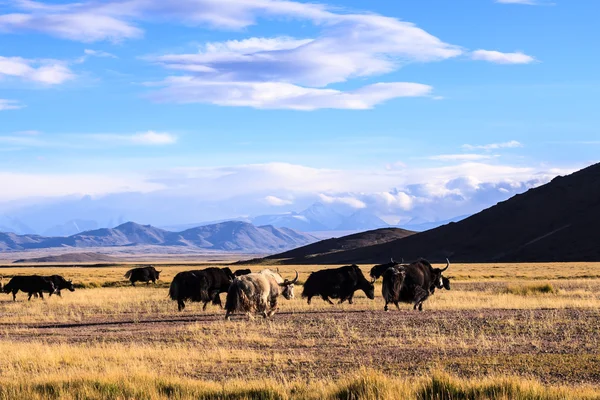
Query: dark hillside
x=555 y=222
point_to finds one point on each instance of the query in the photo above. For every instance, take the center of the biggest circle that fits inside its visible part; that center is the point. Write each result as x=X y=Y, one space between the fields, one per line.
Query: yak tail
x=128 y=274
x=392 y=284
x=174 y=289
x=237 y=300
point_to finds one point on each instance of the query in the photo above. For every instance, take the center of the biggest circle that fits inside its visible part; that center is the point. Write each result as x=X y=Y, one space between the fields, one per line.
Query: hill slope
x=227 y=236
x=72 y=258
x=350 y=242
x=555 y=222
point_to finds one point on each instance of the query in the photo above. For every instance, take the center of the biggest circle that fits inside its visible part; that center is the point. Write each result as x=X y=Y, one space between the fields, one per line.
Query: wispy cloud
x=98 y=53
x=149 y=138
x=26 y=139
x=346 y=200
x=50 y=72
x=461 y=157
x=502 y=58
x=6 y=104
x=279 y=95
x=493 y=146
x=278 y=202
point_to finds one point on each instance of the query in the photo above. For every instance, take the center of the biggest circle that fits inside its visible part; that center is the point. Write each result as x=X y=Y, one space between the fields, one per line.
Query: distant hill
x=72 y=258
x=555 y=222
x=351 y=242
x=227 y=236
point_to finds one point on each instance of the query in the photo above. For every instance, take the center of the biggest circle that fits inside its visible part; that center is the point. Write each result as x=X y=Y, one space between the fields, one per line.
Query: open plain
x=526 y=331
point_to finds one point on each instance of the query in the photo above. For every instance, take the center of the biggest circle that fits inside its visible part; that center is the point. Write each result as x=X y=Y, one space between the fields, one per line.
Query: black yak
x=142 y=274
x=200 y=286
x=337 y=283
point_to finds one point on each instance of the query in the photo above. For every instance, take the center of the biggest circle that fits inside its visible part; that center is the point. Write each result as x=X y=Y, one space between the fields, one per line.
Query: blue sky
x=410 y=108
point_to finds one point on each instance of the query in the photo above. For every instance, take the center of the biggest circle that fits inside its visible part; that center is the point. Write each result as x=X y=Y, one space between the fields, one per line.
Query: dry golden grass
x=492 y=336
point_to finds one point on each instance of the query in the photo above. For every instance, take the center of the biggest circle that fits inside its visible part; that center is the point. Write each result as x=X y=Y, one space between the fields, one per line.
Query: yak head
x=70 y=286
x=439 y=281
x=229 y=274
x=288 y=287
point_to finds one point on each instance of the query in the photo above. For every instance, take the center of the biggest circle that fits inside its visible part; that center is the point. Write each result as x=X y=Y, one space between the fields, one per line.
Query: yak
x=410 y=283
x=61 y=283
x=241 y=272
x=142 y=274
x=258 y=292
x=30 y=284
x=338 y=283
x=200 y=286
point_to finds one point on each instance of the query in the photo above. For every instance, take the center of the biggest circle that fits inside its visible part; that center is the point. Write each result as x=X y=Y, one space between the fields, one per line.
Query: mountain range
x=554 y=222
x=234 y=236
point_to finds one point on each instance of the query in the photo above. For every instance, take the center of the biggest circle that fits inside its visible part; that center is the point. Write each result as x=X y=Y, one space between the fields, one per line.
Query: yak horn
x=447 y=265
x=295 y=279
x=392 y=260
x=288 y=282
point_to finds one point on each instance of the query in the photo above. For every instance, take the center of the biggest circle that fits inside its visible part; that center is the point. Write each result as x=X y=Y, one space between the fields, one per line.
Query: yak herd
x=251 y=293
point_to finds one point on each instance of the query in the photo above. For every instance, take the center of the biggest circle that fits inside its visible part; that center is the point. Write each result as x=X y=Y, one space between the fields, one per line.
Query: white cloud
x=430 y=193
x=278 y=95
x=34 y=139
x=276 y=201
x=154 y=138
x=6 y=104
x=149 y=138
x=502 y=58
x=346 y=200
x=23 y=185
x=494 y=146
x=50 y=72
x=98 y=53
x=461 y=157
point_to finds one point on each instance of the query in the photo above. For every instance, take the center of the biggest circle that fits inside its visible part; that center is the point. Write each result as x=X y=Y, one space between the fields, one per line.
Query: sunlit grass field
x=528 y=331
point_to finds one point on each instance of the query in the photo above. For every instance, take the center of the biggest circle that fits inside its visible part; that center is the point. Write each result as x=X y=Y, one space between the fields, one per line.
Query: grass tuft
x=530 y=289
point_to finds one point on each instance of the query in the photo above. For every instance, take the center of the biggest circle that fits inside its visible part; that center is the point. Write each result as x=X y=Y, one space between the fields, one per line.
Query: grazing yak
x=410 y=283
x=258 y=292
x=142 y=274
x=338 y=283
x=200 y=286
x=31 y=285
x=59 y=284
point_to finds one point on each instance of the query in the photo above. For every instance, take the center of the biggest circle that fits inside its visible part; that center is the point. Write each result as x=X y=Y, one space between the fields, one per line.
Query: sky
x=209 y=109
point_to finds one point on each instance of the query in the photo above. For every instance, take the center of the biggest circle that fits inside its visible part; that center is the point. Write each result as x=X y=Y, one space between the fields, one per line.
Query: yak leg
x=309 y=299
x=180 y=305
x=29 y=298
x=132 y=283
x=397 y=306
x=385 y=308
x=58 y=293
x=273 y=308
x=420 y=296
x=350 y=300
x=204 y=306
x=15 y=294
x=327 y=299
x=42 y=295
x=217 y=299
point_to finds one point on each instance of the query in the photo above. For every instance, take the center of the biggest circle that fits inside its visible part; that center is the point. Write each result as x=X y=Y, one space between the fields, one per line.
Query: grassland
x=527 y=331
